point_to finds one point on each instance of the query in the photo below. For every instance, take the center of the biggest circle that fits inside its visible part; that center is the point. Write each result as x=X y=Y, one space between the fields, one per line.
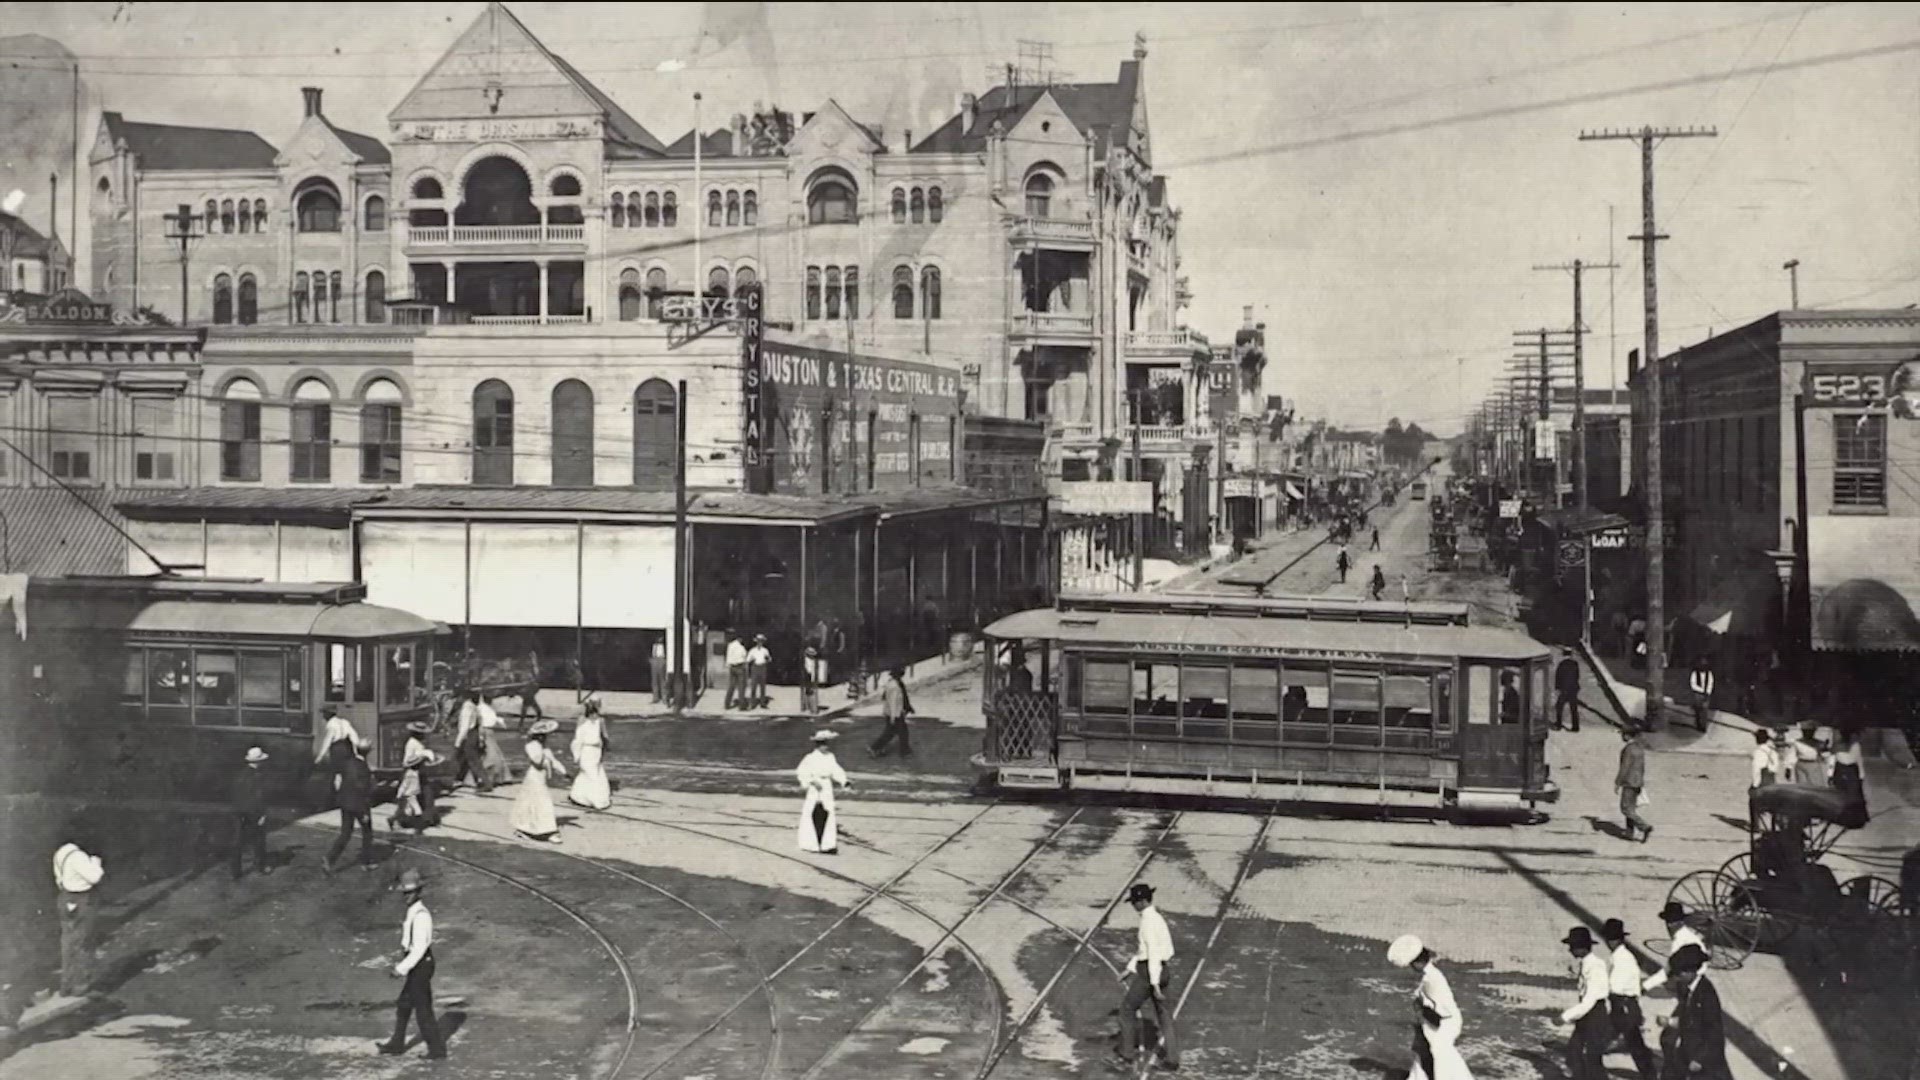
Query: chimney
x=906 y=140
x=1139 y=46
x=53 y=209
x=311 y=95
x=1633 y=362
x=968 y=104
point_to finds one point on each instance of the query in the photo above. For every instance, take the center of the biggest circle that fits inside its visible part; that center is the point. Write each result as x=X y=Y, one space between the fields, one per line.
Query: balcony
x=1053 y=327
x=1053 y=233
x=1159 y=438
x=495 y=235
x=1181 y=343
x=524 y=320
x=1137 y=262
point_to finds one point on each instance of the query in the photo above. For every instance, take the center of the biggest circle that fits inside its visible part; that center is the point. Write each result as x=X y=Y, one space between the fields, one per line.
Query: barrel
x=960 y=645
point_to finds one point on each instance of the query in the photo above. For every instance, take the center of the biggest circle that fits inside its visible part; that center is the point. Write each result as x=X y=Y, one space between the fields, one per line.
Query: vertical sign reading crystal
x=753 y=390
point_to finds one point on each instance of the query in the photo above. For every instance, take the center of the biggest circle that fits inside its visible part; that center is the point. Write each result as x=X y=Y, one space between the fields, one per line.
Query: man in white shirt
x=1623 y=997
x=736 y=672
x=1679 y=936
x=415 y=966
x=469 y=753
x=75 y=873
x=657 y=671
x=1148 y=979
x=1700 y=681
x=1846 y=762
x=1589 y=1014
x=759 y=658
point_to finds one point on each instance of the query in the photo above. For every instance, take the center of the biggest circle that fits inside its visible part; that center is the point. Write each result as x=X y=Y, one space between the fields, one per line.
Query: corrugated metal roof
x=1230 y=633
x=47 y=530
x=241 y=503
x=614 y=500
x=164 y=147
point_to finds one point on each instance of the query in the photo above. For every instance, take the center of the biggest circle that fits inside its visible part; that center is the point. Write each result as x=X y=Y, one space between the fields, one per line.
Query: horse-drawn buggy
x=1443 y=546
x=1865 y=927
x=456 y=678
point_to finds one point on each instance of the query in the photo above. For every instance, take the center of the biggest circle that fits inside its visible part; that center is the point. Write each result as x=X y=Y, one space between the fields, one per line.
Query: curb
x=835 y=712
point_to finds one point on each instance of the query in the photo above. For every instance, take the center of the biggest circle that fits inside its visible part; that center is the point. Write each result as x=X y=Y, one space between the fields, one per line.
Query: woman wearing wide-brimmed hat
x=819 y=771
x=533 y=810
x=590 y=788
x=413 y=805
x=1437 y=1031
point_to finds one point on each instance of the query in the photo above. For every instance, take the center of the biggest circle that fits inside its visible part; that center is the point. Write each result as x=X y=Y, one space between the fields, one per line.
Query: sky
x=1377 y=180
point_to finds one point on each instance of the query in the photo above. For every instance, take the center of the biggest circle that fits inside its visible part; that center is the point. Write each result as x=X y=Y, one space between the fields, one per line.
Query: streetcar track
x=1080 y=945
x=1226 y=910
x=619 y=958
x=874 y=893
x=764 y=988
x=951 y=933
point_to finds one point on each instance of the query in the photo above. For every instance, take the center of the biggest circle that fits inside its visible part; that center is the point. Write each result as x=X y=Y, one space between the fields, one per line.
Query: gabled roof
x=498 y=51
x=365 y=147
x=1102 y=111
x=716 y=144
x=173 y=148
x=27 y=241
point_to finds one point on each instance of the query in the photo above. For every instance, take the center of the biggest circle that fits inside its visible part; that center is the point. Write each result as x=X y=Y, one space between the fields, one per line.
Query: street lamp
x=183 y=228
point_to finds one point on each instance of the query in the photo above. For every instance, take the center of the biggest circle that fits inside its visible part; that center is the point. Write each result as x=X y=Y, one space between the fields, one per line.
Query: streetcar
x=1284 y=699
x=193 y=671
x=1417 y=491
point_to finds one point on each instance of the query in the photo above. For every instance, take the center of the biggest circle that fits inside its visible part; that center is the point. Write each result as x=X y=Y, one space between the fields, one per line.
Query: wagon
x=453 y=680
x=1759 y=899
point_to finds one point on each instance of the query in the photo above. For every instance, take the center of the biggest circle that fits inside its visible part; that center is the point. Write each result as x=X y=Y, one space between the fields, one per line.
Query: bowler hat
x=1674 y=911
x=410 y=881
x=1140 y=891
x=1579 y=937
x=1687 y=958
x=1613 y=930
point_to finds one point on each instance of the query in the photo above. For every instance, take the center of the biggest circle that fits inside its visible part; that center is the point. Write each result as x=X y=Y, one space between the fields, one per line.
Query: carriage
x=1759 y=899
x=455 y=678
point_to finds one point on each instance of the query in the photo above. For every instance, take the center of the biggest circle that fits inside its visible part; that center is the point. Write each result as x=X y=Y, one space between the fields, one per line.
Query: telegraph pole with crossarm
x=1648 y=138
x=1578 y=268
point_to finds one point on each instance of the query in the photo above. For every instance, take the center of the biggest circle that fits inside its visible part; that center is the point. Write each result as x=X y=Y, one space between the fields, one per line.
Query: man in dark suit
x=250 y=814
x=355 y=799
x=1700 y=1047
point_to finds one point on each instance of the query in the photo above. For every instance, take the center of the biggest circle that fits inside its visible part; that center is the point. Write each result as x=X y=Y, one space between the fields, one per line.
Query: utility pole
x=1647 y=138
x=1139 y=522
x=679 y=691
x=1792 y=267
x=1579 y=268
x=1536 y=352
x=182 y=226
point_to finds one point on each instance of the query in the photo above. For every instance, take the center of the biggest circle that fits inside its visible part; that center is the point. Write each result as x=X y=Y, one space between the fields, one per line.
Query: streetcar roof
x=344 y=622
x=1237 y=632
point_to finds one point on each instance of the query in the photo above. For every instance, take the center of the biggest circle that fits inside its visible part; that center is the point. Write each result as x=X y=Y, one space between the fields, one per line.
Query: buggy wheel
x=1739 y=868
x=1702 y=893
x=1753 y=908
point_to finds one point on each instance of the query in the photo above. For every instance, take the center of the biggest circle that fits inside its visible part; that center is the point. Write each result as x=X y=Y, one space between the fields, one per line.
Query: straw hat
x=543 y=727
x=1405 y=950
x=823 y=735
x=410 y=882
x=420 y=727
x=255 y=756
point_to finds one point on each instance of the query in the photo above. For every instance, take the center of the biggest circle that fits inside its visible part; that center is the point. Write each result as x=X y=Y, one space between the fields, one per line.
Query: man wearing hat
x=736 y=672
x=355 y=799
x=1588 y=1015
x=895 y=706
x=1679 y=936
x=1699 y=1025
x=819 y=771
x=415 y=966
x=813 y=675
x=1147 y=978
x=759 y=658
x=250 y=814
x=1631 y=780
x=417 y=759
x=1623 y=997
x=75 y=875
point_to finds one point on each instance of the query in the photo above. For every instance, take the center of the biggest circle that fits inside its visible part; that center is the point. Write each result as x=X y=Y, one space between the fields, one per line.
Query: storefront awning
x=1731 y=615
x=1293 y=492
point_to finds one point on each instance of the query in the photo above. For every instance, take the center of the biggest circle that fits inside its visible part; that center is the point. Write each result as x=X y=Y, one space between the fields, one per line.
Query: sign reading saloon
x=753 y=441
x=68 y=307
x=843 y=423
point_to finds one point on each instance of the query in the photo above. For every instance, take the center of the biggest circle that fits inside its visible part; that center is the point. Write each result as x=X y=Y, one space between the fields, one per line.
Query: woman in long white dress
x=533 y=809
x=590 y=787
x=1436 y=1053
x=819 y=771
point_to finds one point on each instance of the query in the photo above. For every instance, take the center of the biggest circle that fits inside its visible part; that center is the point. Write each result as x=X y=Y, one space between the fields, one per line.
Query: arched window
x=376 y=306
x=655 y=432
x=714 y=210
x=1039 y=195
x=380 y=433
x=718 y=283
x=226 y=217
x=830 y=201
x=572 y=434
x=902 y=293
x=670 y=210
x=833 y=292
x=918 y=205
x=813 y=292
x=427 y=188
x=936 y=205
x=750 y=209
x=223 y=299
x=249 y=300
x=930 y=292
x=899 y=206
x=742 y=278
x=853 y=292
x=310 y=433
x=259 y=215
x=492 y=433
x=333 y=296
x=566 y=185
x=653 y=209
x=733 y=208
x=497 y=191
x=213 y=214
x=240 y=431
x=629 y=295
x=617 y=212
x=300 y=297
x=318 y=211
x=376 y=214
x=244 y=216
x=656 y=293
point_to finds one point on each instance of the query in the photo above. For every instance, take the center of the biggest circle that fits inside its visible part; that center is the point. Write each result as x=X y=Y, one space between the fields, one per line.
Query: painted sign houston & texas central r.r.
x=845 y=423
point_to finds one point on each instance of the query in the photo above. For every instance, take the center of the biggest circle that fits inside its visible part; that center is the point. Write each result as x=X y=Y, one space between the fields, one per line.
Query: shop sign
x=1572 y=555
x=68 y=307
x=1864 y=386
x=1510 y=508
x=1102 y=497
x=1546 y=441
x=753 y=442
x=1614 y=539
x=491 y=130
x=1239 y=487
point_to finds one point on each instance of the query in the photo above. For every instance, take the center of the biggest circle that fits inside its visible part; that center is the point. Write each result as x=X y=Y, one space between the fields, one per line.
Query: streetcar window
x=1539 y=695
x=1256 y=701
x=168 y=677
x=215 y=688
x=133 y=689
x=1356 y=709
x=260 y=678
x=1510 y=704
x=1409 y=700
x=1443 y=702
x=339 y=661
x=1479 y=694
x=1303 y=703
x=397 y=664
x=1107 y=693
x=296 y=696
x=422 y=673
x=363 y=675
x=1156 y=709
x=1071 y=676
x=1203 y=700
